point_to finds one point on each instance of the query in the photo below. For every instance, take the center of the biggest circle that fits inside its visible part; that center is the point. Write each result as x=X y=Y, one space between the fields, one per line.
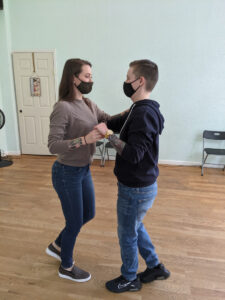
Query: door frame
x=14 y=82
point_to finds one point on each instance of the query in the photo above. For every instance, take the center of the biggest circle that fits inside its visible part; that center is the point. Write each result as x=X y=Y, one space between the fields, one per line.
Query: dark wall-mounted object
x=1 y=4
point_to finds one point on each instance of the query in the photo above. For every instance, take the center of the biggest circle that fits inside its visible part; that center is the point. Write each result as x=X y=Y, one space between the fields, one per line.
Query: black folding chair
x=212 y=135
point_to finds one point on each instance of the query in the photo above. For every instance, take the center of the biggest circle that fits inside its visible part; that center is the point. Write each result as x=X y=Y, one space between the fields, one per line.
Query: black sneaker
x=52 y=251
x=157 y=273
x=76 y=274
x=120 y=285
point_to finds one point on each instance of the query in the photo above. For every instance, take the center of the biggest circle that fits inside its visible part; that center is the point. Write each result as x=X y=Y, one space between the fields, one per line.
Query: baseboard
x=179 y=163
x=11 y=153
x=189 y=163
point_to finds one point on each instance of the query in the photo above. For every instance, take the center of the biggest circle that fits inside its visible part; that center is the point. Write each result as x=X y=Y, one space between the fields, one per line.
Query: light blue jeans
x=132 y=206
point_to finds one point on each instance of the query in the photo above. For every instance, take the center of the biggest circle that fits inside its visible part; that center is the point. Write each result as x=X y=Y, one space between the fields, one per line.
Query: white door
x=34 y=111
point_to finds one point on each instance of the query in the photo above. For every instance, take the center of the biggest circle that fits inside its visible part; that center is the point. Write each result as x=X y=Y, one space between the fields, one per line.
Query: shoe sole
x=120 y=292
x=128 y=290
x=156 y=278
x=134 y=290
x=76 y=280
x=52 y=254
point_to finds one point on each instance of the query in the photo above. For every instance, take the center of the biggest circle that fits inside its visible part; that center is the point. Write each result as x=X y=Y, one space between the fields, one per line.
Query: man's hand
x=102 y=128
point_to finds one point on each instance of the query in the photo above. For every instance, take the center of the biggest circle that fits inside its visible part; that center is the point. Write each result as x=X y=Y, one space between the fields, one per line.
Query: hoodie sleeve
x=116 y=123
x=141 y=133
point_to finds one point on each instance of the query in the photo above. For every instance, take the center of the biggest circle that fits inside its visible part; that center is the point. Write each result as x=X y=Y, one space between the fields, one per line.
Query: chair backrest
x=99 y=143
x=214 y=135
x=108 y=145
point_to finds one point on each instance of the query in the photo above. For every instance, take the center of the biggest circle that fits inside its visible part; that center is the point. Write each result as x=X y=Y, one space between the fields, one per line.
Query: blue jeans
x=132 y=205
x=75 y=189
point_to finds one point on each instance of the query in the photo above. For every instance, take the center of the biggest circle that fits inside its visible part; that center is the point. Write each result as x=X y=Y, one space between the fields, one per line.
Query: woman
x=73 y=139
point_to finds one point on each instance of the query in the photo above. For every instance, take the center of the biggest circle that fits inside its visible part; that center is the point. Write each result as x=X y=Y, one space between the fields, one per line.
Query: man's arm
x=117 y=144
x=116 y=122
x=140 y=138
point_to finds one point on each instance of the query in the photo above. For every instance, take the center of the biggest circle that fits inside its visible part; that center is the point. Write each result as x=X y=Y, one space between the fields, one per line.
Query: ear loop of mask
x=79 y=79
x=134 y=81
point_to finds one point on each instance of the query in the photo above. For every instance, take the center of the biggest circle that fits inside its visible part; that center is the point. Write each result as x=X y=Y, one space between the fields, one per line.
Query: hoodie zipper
x=127 y=118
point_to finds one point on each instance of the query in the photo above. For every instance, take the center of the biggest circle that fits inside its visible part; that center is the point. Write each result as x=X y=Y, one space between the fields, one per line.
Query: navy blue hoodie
x=137 y=166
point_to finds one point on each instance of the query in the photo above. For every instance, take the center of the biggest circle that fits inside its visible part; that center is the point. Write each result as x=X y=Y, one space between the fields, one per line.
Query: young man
x=136 y=170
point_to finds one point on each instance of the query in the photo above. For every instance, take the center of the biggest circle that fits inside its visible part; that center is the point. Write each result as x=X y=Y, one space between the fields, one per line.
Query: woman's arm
x=92 y=137
x=120 y=114
x=104 y=117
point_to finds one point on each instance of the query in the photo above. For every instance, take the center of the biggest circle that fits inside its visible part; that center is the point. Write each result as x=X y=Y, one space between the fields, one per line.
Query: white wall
x=184 y=37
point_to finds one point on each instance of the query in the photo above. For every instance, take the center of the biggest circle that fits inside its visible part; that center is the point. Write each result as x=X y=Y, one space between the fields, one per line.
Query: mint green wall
x=185 y=38
x=3 y=53
x=9 y=138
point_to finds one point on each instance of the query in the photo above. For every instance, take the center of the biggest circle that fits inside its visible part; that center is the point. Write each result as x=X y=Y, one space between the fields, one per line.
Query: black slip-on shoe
x=159 y=272
x=52 y=251
x=76 y=274
x=120 y=285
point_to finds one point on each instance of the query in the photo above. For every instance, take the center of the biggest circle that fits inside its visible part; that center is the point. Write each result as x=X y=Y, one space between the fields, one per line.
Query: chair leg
x=203 y=163
x=100 y=150
x=103 y=157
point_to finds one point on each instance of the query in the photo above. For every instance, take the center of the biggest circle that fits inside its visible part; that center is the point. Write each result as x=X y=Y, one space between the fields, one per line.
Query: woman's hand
x=102 y=128
x=93 y=136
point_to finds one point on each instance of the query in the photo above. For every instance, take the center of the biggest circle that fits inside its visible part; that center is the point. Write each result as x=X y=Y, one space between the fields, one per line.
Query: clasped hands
x=97 y=133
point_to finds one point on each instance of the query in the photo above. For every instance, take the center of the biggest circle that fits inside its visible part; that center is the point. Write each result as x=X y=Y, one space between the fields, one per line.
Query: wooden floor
x=186 y=223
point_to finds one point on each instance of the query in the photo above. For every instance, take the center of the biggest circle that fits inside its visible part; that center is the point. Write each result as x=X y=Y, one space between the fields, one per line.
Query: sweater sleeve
x=140 y=138
x=59 y=120
x=101 y=115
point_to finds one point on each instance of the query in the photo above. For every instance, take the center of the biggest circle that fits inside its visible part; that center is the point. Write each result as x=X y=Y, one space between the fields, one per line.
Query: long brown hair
x=72 y=67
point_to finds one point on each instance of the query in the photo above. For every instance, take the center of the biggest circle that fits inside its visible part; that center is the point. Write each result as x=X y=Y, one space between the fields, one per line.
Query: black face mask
x=128 y=89
x=85 y=87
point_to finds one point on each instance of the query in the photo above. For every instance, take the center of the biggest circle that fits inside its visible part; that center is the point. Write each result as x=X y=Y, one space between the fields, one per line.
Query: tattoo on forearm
x=117 y=143
x=76 y=143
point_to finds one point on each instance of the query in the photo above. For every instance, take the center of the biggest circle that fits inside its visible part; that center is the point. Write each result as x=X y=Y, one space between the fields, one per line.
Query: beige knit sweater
x=70 y=120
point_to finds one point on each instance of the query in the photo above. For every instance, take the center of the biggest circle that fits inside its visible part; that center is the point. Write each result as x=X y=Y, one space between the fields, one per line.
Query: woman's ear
x=75 y=80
